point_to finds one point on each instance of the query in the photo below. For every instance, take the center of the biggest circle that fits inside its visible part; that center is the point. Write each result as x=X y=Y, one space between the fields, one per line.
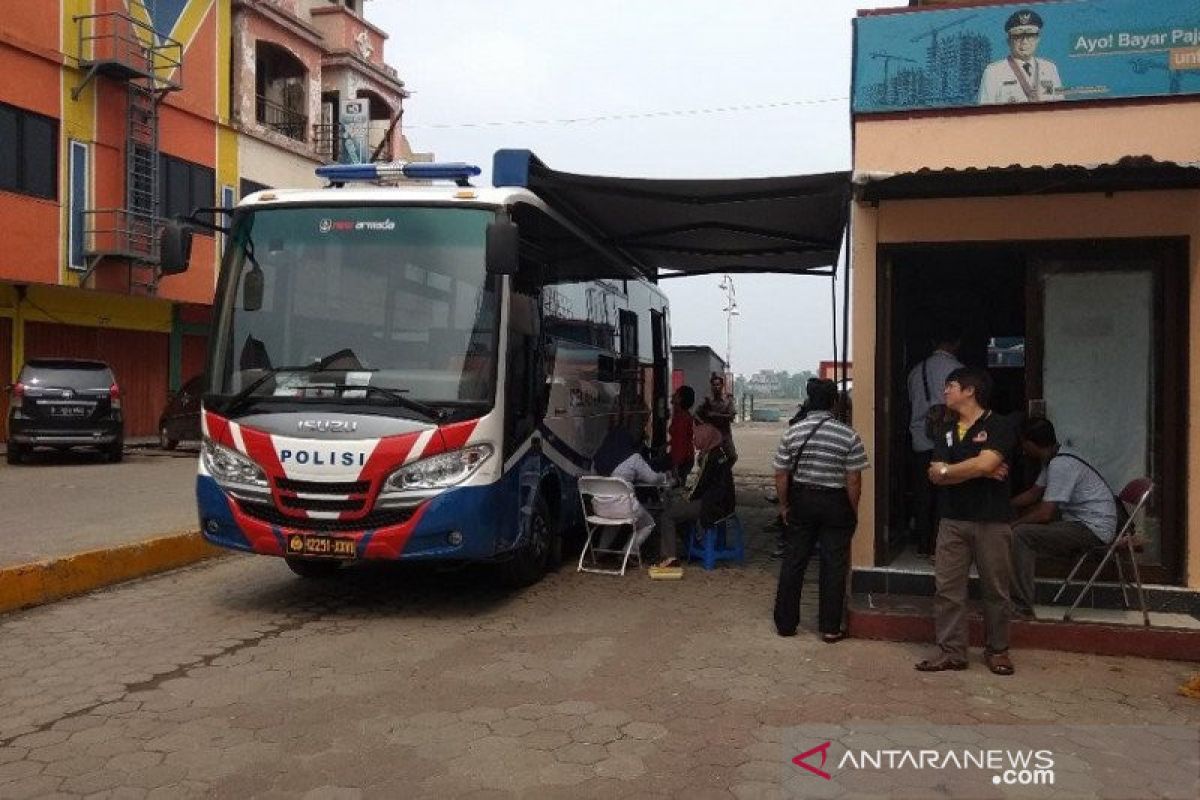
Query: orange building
x=1049 y=206
x=123 y=112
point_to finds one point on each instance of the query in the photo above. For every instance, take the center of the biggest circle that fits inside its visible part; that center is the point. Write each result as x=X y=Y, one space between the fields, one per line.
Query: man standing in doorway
x=926 y=382
x=969 y=464
x=1022 y=77
x=718 y=410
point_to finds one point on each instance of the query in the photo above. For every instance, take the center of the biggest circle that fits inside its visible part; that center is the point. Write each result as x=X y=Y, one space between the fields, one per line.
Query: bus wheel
x=312 y=568
x=529 y=564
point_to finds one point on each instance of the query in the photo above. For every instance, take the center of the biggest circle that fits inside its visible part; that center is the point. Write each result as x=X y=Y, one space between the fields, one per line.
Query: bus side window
x=522 y=385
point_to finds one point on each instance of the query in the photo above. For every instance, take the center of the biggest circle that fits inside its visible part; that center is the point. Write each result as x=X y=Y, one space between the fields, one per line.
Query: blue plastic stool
x=712 y=543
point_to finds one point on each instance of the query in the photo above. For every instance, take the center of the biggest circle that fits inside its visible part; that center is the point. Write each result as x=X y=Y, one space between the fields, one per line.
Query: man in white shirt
x=1021 y=77
x=926 y=382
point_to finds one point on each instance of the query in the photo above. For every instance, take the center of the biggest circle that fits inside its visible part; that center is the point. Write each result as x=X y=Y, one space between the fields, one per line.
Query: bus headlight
x=230 y=467
x=438 y=472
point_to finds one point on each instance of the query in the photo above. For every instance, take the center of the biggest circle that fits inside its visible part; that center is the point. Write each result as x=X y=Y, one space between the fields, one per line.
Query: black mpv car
x=64 y=403
x=180 y=420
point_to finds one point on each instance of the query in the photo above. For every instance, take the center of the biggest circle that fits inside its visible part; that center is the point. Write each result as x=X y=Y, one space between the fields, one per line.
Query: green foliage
x=790 y=385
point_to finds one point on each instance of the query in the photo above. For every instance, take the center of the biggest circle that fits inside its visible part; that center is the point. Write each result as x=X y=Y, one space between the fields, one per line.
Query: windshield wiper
x=236 y=402
x=424 y=409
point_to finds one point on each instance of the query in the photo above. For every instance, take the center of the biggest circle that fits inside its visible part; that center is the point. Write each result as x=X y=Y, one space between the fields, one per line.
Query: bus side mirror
x=174 y=248
x=503 y=240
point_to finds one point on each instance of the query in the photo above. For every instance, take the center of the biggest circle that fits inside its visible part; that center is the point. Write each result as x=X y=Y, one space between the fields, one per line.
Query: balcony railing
x=113 y=43
x=120 y=233
x=334 y=142
x=291 y=123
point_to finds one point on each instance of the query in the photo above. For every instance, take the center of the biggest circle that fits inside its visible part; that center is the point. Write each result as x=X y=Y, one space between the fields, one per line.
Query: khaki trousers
x=989 y=546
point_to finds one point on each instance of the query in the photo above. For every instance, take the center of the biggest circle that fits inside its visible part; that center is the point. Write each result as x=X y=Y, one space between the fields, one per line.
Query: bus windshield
x=317 y=301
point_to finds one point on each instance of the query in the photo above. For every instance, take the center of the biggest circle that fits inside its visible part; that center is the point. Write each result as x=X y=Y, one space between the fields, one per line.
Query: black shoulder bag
x=937 y=415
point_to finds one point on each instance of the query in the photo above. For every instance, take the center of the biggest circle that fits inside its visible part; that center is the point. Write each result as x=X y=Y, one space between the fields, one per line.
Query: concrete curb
x=26 y=585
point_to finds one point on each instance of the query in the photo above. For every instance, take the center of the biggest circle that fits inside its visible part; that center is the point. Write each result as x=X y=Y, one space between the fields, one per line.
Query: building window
x=184 y=187
x=281 y=91
x=79 y=202
x=28 y=153
x=228 y=200
x=379 y=127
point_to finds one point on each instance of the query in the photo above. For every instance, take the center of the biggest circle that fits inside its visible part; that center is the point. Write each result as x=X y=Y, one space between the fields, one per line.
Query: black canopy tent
x=673 y=228
x=670 y=228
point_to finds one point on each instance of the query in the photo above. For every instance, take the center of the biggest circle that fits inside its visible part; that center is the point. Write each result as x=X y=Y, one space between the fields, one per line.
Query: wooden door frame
x=885 y=309
x=1169 y=348
x=1170 y=345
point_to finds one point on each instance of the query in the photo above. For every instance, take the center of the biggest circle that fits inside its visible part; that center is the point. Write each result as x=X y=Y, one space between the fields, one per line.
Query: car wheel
x=13 y=454
x=116 y=452
x=165 y=442
x=529 y=564
x=313 y=569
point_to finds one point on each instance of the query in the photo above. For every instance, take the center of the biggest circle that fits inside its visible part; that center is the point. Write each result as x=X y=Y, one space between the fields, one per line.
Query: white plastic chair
x=609 y=491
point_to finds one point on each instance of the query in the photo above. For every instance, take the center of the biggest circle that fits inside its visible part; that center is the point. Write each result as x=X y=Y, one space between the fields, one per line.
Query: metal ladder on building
x=141 y=179
x=123 y=45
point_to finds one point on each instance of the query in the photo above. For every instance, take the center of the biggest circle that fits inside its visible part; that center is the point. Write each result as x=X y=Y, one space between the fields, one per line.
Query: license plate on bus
x=306 y=544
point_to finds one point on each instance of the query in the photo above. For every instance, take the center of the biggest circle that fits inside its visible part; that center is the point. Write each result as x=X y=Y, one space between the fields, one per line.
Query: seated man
x=711 y=499
x=617 y=457
x=1068 y=509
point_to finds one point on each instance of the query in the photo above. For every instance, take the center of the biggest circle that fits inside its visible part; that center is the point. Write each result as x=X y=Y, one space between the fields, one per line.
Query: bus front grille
x=375 y=519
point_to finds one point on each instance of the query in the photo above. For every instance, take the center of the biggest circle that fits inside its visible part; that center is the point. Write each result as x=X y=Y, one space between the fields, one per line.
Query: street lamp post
x=731 y=311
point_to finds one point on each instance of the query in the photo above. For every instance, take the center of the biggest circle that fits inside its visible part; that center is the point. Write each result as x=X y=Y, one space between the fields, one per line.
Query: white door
x=1098 y=369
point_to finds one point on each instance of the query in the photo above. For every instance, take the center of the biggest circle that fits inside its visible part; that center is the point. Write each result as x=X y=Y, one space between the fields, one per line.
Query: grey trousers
x=1051 y=539
x=675 y=513
x=989 y=545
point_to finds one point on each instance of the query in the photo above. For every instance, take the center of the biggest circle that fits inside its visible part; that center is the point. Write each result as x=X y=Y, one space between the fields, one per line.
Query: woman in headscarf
x=618 y=457
x=712 y=498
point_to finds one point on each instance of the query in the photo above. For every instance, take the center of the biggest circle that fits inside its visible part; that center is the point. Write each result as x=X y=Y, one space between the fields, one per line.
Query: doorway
x=1090 y=334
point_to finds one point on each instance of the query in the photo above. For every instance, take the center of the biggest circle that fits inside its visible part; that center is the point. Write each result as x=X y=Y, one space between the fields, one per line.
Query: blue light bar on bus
x=446 y=171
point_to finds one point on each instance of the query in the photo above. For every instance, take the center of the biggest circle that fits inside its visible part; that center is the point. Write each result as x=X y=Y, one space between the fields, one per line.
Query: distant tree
x=794 y=385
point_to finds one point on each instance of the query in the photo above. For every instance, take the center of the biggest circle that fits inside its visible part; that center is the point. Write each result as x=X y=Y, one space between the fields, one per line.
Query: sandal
x=940 y=664
x=999 y=663
x=667 y=563
x=833 y=638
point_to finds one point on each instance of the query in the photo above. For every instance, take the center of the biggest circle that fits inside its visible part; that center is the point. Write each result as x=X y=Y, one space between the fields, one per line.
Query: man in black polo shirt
x=969 y=466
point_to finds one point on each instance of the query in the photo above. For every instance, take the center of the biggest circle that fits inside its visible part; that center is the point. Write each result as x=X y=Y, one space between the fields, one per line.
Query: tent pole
x=833 y=318
x=846 y=309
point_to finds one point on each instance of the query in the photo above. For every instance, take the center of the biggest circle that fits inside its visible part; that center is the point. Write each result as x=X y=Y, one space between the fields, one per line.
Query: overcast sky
x=486 y=74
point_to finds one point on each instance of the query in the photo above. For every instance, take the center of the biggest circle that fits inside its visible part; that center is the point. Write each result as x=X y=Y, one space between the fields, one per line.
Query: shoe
x=792 y=632
x=778 y=551
x=1024 y=614
x=940 y=664
x=833 y=638
x=999 y=663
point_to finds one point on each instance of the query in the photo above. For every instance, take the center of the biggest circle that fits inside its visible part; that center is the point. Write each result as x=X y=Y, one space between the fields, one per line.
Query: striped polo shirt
x=834 y=450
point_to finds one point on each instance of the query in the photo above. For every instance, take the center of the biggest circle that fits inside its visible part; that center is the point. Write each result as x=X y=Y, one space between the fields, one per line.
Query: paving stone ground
x=59 y=504
x=235 y=679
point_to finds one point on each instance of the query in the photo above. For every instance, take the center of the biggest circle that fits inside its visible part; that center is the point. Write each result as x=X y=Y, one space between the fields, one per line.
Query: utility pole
x=731 y=311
